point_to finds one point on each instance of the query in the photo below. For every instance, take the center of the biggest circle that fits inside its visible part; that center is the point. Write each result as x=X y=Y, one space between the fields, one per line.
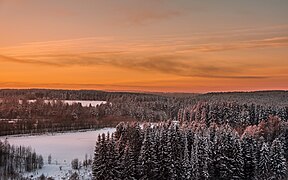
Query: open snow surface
x=63 y=147
x=70 y=102
x=53 y=170
x=84 y=103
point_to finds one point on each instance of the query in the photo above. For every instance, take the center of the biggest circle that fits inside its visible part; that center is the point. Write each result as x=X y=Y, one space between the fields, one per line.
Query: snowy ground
x=63 y=147
x=70 y=102
x=53 y=170
x=85 y=103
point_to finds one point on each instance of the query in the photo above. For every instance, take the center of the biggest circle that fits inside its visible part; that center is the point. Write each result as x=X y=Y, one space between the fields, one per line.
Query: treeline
x=39 y=117
x=15 y=160
x=71 y=94
x=239 y=110
x=270 y=98
x=235 y=114
x=260 y=97
x=257 y=97
x=192 y=150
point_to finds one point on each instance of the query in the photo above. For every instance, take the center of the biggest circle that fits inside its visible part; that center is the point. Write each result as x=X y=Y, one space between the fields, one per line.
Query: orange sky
x=184 y=46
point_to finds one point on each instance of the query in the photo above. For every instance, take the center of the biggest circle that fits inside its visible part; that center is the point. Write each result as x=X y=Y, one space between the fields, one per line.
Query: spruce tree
x=229 y=155
x=204 y=159
x=186 y=164
x=130 y=164
x=99 y=168
x=195 y=159
x=148 y=157
x=167 y=166
x=278 y=162
x=249 y=157
x=112 y=161
x=264 y=162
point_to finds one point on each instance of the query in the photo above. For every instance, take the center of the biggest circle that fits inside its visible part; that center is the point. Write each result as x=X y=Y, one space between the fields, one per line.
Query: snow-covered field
x=63 y=147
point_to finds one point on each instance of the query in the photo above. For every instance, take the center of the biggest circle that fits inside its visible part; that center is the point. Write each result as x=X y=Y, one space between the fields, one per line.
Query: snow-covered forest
x=35 y=115
x=240 y=135
x=192 y=150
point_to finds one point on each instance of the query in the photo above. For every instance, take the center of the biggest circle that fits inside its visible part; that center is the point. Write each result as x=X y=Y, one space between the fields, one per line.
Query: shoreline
x=54 y=133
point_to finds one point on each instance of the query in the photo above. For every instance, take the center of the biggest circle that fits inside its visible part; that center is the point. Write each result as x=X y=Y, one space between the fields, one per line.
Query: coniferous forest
x=159 y=135
x=193 y=150
x=237 y=109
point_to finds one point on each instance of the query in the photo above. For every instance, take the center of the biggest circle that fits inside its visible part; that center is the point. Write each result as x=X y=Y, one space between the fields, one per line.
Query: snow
x=53 y=170
x=84 y=103
x=63 y=147
x=12 y=120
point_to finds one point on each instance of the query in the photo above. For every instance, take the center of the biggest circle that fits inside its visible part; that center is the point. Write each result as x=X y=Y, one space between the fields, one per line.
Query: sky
x=152 y=45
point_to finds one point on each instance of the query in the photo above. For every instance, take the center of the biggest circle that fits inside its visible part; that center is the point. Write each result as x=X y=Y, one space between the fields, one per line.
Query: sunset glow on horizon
x=153 y=45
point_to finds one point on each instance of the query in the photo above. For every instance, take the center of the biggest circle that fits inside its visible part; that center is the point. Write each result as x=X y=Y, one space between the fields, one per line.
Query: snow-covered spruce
x=187 y=151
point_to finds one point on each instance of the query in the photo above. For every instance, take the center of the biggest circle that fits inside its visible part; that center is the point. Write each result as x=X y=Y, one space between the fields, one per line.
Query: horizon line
x=150 y=92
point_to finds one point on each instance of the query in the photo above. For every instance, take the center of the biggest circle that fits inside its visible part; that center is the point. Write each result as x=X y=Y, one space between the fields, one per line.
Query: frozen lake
x=84 y=103
x=63 y=147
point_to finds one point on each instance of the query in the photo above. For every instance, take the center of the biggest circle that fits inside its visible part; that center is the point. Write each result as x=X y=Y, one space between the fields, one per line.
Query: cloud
x=235 y=39
x=185 y=68
x=166 y=64
x=27 y=61
x=141 y=17
x=250 y=44
x=138 y=12
x=181 y=56
x=122 y=87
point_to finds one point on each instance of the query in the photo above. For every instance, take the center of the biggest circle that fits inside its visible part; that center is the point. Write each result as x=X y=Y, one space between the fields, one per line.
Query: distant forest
x=239 y=110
